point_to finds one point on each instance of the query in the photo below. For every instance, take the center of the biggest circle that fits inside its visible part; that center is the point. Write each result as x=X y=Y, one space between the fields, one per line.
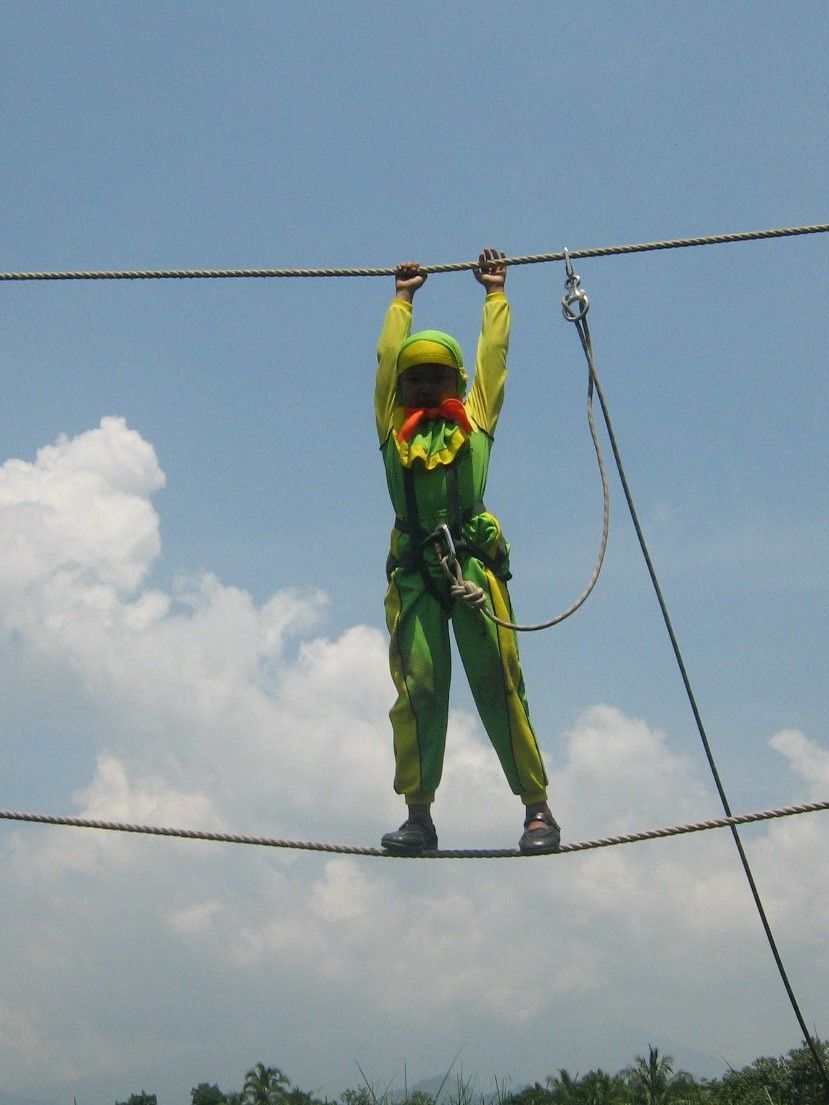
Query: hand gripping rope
x=574 y=305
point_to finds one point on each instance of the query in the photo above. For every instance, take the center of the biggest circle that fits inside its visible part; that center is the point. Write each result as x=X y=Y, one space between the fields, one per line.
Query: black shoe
x=540 y=840
x=412 y=838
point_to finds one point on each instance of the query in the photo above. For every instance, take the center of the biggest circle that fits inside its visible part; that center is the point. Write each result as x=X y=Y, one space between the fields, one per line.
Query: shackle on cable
x=574 y=294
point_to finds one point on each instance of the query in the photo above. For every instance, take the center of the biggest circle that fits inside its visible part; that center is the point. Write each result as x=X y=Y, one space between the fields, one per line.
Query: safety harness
x=457 y=518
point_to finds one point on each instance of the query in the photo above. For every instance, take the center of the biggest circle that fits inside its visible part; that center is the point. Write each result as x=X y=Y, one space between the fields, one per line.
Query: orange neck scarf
x=452 y=410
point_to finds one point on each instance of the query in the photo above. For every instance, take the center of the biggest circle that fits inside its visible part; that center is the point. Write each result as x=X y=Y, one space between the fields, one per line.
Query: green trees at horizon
x=792 y=1079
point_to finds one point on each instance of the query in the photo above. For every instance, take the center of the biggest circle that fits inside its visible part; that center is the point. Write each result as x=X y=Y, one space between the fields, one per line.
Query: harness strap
x=411 y=525
x=419 y=536
x=453 y=497
x=478 y=507
x=456 y=519
x=414 y=528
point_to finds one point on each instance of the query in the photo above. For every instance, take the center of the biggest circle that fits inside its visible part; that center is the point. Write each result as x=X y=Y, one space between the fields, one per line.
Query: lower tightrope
x=456 y=853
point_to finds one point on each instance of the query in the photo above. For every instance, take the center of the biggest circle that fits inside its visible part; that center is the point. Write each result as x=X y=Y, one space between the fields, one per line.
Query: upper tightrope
x=452 y=266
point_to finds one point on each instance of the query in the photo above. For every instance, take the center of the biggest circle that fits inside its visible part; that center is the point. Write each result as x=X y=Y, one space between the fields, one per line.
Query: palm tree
x=595 y=1088
x=600 y=1088
x=564 y=1088
x=652 y=1081
x=264 y=1086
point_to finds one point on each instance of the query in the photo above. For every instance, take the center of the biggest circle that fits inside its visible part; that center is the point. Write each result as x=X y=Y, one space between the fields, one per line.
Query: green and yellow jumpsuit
x=439 y=477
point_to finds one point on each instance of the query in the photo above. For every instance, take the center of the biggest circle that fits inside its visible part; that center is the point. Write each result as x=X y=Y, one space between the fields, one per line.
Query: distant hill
x=16 y=1099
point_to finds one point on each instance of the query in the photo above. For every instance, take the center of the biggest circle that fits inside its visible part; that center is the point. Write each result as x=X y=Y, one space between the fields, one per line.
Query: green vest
x=448 y=494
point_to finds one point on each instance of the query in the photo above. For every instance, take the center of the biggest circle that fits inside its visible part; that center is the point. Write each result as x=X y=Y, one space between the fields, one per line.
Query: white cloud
x=81 y=510
x=223 y=713
x=806 y=758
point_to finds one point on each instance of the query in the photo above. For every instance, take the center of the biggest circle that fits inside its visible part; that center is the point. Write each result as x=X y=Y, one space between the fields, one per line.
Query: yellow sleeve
x=396 y=327
x=486 y=395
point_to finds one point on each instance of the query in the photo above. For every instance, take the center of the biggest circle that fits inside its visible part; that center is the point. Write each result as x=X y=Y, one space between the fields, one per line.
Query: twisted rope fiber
x=458 y=853
x=453 y=266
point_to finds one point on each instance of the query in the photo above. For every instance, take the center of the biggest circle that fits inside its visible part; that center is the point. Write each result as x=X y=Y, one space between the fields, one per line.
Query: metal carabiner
x=446 y=534
x=434 y=539
x=574 y=293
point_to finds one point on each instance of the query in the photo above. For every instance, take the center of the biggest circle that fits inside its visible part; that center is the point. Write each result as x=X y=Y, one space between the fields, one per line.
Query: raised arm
x=487 y=393
x=397 y=324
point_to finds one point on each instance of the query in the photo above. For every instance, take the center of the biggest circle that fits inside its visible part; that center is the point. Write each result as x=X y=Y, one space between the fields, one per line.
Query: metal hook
x=574 y=293
x=568 y=264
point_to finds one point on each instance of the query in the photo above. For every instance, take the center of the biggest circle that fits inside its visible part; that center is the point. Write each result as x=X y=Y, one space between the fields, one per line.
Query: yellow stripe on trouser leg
x=490 y=659
x=420 y=662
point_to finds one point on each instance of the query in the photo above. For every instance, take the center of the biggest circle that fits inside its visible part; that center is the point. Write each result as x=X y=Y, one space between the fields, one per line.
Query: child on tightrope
x=435 y=444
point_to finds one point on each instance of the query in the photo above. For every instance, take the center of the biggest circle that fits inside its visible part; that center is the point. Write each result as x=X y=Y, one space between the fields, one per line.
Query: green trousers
x=420 y=660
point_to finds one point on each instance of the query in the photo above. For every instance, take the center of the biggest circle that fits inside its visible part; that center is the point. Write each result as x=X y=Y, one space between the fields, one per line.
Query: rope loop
x=579 y=296
x=469 y=592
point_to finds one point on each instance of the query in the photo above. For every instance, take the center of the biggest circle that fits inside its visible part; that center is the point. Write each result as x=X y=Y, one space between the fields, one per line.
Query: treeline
x=792 y=1079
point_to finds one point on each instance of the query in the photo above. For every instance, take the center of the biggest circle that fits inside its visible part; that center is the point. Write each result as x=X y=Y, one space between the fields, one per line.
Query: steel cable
x=584 y=335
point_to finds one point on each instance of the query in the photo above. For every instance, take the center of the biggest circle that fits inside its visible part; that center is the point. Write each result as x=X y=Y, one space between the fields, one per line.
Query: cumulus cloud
x=81 y=509
x=225 y=713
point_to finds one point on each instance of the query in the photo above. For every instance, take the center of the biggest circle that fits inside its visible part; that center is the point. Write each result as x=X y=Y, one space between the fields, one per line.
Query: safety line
x=584 y=335
x=575 y=304
x=456 y=853
x=452 y=266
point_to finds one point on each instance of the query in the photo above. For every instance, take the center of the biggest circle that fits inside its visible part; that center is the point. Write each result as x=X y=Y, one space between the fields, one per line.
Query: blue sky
x=194 y=519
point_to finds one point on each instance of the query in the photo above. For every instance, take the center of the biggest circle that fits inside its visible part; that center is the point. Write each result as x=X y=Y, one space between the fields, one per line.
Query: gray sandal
x=538 y=841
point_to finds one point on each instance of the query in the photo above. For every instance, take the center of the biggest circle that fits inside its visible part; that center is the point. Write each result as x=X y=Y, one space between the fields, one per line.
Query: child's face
x=427 y=385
